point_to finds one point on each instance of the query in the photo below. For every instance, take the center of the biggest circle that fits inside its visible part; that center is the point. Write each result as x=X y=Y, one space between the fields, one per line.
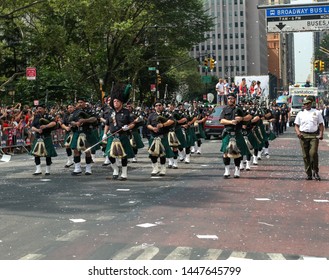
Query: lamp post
x=156 y=58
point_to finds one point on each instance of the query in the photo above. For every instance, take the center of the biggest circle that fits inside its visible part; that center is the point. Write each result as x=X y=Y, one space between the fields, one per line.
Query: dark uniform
x=43 y=146
x=162 y=123
x=233 y=143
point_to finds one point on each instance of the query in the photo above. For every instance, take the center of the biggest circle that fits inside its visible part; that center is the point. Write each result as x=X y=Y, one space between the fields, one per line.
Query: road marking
x=146 y=225
x=207 y=236
x=237 y=255
x=148 y=252
x=262 y=199
x=33 y=257
x=180 y=253
x=212 y=254
x=72 y=235
x=276 y=256
x=266 y=224
x=77 y=220
x=320 y=200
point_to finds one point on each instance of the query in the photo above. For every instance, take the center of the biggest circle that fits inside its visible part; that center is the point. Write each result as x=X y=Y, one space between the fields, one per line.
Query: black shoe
x=123 y=179
x=105 y=164
x=36 y=174
x=169 y=166
x=87 y=173
x=68 y=165
x=308 y=178
x=114 y=177
x=76 y=173
x=47 y=174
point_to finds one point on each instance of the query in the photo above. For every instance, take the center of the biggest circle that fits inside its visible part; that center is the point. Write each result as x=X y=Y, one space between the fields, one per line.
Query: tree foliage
x=74 y=44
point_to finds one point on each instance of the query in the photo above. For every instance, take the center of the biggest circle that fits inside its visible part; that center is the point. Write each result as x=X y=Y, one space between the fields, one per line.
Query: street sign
x=297 y=19
x=206 y=79
x=31 y=73
x=153 y=87
x=152 y=69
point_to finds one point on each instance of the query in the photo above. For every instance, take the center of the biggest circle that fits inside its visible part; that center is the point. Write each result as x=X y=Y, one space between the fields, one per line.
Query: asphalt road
x=192 y=213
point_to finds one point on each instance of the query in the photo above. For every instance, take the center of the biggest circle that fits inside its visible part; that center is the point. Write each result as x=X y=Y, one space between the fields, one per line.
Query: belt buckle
x=232 y=133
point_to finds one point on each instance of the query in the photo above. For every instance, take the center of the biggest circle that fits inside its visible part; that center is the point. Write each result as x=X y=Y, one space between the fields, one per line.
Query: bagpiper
x=82 y=122
x=42 y=125
x=116 y=132
x=159 y=125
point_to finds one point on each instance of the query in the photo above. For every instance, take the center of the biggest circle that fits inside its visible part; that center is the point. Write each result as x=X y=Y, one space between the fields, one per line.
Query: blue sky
x=303 y=43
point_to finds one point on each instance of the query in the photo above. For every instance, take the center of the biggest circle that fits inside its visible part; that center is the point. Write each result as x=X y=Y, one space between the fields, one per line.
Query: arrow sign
x=280 y=25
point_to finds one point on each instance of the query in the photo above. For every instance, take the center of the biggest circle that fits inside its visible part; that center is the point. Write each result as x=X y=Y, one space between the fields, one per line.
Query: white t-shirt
x=220 y=88
x=309 y=120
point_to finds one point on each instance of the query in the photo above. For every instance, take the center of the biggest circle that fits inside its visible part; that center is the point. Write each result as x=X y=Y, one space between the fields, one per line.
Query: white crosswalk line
x=276 y=256
x=180 y=253
x=33 y=257
x=70 y=236
x=148 y=252
x=212 y=254
x=238 y=255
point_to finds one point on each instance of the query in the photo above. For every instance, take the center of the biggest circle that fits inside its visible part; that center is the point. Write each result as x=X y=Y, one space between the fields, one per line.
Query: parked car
x=212 y=125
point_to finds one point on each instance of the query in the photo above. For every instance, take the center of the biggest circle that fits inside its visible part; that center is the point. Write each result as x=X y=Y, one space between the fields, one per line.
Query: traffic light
x=158 y=79
x=212 y=63
x=321 y=65
x=316 y=65
x=205 y=63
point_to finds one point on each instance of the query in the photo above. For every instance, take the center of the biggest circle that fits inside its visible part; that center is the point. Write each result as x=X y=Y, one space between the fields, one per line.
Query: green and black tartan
x=239 y=141
x=91 y=139
x=124 y=139
x=51 y=152
x=138 y=139
x=252 y=139
x=201 y=133
x=190 y=136
x=165 y=143
x=181 y=137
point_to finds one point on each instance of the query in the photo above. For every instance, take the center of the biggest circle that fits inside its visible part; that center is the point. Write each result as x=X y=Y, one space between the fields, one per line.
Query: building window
x=242 y=68
x=231 y=47
x=225 y=47
x=242 y=46
x=242 y=57
x=236 y=35
x=225 y=36
x=242 y=35
x=218 y=36
x=237 y=57
x=226 y=58
x=236 y=24
x=236 y=46
x=241 y=24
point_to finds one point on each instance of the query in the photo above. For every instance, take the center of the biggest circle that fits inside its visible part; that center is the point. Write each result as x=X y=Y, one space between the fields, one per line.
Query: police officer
x=309 y=127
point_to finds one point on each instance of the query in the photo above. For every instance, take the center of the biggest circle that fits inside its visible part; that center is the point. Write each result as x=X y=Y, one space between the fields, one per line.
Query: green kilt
x=258 y=134
x=165 y=143
x=181 y=137
x=271 y=136
x=138 y=139
x=91 y=139
x=201 y=133
x=253 y=141
x=51 y=152
x=190 y=136
x=262 y=129
x=239 y=141
x=125 y=144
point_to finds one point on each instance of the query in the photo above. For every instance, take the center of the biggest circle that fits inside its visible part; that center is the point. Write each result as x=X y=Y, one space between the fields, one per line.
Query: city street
x=192 y=213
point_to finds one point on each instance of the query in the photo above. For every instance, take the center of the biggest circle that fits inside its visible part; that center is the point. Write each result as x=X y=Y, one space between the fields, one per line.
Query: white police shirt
x=309 y=120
